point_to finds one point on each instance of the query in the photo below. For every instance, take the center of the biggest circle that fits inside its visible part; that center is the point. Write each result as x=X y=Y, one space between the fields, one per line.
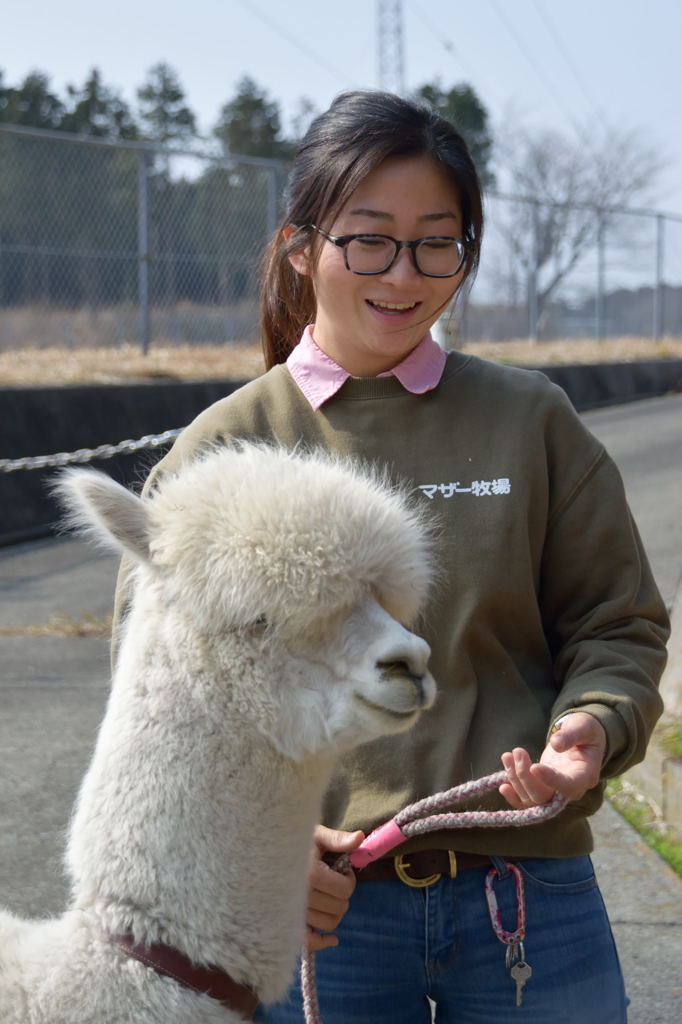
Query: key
x=520 y=972
x=515 y=951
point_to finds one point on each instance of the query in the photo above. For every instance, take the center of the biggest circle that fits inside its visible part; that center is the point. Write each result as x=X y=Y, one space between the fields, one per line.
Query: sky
x=569 y=65
x=554 y=63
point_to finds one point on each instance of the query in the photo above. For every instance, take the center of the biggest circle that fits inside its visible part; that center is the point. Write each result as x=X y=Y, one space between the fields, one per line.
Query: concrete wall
x=591 y=387
x=43 y=420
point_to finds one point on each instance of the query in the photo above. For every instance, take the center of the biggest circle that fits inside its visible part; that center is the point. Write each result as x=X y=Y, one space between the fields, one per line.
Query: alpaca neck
x=191 y=829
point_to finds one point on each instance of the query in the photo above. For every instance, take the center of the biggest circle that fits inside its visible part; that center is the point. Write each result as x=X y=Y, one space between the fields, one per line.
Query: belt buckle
x=421 y=883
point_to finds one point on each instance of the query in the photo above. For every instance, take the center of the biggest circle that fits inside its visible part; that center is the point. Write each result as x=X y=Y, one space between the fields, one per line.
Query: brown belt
x=420 y=868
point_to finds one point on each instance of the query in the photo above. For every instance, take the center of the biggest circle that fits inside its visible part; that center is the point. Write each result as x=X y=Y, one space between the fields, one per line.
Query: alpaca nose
x=401 y=670
x=408 y=662
x=399 y=667
x=408 y=653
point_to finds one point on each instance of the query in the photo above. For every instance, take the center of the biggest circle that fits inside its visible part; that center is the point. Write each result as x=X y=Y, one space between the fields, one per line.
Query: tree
x=32 y=104
x=96 y=110
x=250 y=123
x=162 y=107
x=572 y=190
x=461 y=106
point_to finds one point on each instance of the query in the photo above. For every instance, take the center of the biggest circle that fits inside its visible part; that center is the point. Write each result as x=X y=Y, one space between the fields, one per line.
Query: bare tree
x=571 y=192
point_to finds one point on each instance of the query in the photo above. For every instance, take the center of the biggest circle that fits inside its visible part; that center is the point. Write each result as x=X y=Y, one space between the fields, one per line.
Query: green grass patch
x=646 y=819
x=668 y=735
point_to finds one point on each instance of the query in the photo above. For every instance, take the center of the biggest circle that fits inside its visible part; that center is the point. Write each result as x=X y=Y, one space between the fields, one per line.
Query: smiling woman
x=370 y=319
x=545 y=609
x=408 y=183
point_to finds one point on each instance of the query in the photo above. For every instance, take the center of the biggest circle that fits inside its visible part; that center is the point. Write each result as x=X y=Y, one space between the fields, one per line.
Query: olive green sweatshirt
x=544 y=601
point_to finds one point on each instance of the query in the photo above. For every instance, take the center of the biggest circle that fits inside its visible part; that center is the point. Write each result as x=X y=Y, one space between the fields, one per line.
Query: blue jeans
x=400 y=945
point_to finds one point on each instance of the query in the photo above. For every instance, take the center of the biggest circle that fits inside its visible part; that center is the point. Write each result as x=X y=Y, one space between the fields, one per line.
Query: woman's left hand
x=570 y=764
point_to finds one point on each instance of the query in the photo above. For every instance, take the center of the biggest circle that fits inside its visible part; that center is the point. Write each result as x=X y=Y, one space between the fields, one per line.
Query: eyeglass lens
x=439 y=257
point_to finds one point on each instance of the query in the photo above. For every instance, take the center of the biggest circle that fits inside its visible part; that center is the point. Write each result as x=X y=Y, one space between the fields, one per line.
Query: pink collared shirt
x=319 y=377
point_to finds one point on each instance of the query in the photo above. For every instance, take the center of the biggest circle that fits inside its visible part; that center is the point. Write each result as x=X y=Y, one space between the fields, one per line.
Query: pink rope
x=508 y=938
x=418 y=819
x=311 y=1009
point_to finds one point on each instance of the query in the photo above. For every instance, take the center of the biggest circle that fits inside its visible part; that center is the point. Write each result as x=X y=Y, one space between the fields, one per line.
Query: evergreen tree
x=462 y=107
x=97 y=110
x=165 y=115
x=32 y=104
x=250 y=123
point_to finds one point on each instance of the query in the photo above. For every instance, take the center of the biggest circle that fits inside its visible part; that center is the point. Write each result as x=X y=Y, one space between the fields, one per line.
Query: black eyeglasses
x=435 y=256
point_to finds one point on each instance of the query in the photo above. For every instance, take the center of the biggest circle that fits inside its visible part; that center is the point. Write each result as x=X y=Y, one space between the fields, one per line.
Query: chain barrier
x=104 y=451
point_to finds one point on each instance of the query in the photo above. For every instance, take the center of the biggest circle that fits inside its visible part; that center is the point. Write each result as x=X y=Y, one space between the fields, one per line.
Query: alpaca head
x=316 y=566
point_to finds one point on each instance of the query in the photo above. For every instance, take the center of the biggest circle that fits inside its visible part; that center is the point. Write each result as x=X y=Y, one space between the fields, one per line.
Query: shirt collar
x=319 y=377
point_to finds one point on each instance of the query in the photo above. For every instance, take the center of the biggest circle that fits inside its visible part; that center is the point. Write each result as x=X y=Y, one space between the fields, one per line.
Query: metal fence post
x=658 y=288
x=143 y=253
x=601 y=271
x=533 y=277
x=272 y=211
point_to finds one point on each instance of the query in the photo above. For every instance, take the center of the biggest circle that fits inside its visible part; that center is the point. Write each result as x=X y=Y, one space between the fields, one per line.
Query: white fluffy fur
x=263 y=638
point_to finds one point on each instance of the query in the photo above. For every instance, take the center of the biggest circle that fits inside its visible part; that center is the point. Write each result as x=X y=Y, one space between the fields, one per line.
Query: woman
x=546 y=627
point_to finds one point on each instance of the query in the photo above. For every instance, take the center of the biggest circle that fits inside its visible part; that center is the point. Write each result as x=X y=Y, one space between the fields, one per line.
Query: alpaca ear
x=111 y=515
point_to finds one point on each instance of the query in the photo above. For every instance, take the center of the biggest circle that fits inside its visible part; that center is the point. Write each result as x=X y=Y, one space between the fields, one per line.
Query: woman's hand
x=570 y=764
x=329 y=891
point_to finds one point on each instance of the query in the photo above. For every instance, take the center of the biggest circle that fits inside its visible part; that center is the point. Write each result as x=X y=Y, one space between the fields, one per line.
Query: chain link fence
x=575 y=271
x=103 y=243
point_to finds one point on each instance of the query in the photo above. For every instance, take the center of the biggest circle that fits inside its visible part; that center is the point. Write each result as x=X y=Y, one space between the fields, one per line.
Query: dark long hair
x=342 y=146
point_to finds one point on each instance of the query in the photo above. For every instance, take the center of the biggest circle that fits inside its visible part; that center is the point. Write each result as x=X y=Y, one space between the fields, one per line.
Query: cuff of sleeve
x=611 y=722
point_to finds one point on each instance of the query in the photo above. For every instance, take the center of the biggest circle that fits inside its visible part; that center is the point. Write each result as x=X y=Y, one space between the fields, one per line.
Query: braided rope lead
x=412 y=821
x=311 y=1008
x=418 y=819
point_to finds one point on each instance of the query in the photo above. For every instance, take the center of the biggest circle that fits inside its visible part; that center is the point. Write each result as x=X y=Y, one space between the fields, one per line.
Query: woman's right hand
x=329 y=891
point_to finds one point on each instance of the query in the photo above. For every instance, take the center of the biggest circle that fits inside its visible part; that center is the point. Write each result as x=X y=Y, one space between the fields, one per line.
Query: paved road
x=645 y=439
x=53 y=692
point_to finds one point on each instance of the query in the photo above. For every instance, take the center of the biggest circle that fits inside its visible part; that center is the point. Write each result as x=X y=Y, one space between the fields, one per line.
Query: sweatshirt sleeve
x=604 y=618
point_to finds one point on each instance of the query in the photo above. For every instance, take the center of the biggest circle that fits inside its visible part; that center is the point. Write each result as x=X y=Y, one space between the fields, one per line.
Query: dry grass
x=576 y=350
x=64 y=625
x=60 y=365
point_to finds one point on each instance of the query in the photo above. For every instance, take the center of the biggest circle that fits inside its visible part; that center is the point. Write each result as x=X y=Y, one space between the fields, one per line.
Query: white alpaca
x=263 y=638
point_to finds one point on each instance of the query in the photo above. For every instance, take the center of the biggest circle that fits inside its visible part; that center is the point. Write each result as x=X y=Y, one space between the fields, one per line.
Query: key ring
x=514 y=938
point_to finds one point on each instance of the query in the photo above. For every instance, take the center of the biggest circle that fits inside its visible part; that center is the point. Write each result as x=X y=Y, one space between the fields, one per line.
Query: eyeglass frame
x=344 y=240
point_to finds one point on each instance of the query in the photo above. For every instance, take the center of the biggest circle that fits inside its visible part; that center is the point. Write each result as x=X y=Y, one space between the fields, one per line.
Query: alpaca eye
x=260 y=624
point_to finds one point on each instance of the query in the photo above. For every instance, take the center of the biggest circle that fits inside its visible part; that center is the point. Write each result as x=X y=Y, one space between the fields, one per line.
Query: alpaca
x=264 y=637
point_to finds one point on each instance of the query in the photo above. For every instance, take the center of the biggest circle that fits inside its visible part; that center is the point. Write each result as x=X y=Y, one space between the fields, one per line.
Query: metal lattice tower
x=390 y=39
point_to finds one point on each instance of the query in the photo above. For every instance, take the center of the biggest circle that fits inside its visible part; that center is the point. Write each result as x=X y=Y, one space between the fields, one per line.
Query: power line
x=447 y=44
x=540 y=73
x=295 y=41
x=544 y=17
